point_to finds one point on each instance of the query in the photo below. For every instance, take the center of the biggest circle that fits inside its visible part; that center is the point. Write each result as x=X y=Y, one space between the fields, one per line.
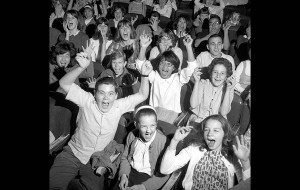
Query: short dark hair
x=171 y=57
x=220 y=61
x=62 y=48
x=155 y=14
x=108 y=81
x=214 y=36
x=143 y=112
x=215 y=16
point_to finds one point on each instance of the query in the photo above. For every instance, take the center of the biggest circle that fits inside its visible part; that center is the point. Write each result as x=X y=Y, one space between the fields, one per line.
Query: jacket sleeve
x=125 y=165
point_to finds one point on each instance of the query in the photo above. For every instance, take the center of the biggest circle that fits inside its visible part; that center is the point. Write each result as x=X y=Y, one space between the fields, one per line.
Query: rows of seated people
x=145 y=89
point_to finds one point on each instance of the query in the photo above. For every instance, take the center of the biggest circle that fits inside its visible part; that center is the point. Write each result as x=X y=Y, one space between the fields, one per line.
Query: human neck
x=73 y=31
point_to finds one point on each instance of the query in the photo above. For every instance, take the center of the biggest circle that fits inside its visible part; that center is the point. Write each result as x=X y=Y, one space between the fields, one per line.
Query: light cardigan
x=192 y=154
x=210 y=101
x=165 y=93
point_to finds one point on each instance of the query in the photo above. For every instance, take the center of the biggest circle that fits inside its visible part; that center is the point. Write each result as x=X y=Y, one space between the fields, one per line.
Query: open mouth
x=148 y=135
x=210 y=142
x=105 y=105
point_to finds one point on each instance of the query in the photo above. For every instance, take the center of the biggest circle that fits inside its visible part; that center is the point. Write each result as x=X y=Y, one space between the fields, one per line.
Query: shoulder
x=203 y=54
x=229 y=57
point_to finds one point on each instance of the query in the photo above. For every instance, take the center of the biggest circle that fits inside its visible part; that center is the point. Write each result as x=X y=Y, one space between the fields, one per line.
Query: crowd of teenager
x=125 y=67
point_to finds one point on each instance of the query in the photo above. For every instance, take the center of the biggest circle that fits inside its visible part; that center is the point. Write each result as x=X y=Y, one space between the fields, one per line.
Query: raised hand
x=145 y=40
x=89 y=48
x=227 y=25
x=188 y=41
x=153 y=24
x=133 y=19
x=123 y=182
x=231 y=82
x=146 y=68
x=182 y=132
x=197 y=74
x=91 y=82
x=83 y=59
x=242 y=151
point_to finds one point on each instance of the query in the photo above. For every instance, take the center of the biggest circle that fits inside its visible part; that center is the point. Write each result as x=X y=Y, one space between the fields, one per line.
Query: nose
x=148 y=129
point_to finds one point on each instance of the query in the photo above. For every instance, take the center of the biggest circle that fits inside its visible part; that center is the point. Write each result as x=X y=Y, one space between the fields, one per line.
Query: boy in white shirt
x=167 y=82
x=215 y=46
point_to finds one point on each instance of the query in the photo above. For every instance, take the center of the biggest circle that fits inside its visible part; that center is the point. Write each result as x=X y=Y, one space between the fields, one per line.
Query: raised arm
x=104 y=9
x=186 y=73
x=195 y=99
x=84 y=59
x=143 y=93
x=70 y=5
x=171 y=162
x=226 y=105
x=226 y=42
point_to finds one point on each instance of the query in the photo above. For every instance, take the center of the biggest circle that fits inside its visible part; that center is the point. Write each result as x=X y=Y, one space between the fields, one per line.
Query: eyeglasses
x=213 y=23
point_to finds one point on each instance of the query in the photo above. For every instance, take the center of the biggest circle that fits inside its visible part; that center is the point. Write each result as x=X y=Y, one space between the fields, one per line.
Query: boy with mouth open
x=97 y=122
x=139 y=168
x=167 y=82
x=213 y=156
x=117 y=70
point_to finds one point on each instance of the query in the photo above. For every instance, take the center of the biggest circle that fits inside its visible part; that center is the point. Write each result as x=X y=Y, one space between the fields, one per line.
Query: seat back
x=235 y=112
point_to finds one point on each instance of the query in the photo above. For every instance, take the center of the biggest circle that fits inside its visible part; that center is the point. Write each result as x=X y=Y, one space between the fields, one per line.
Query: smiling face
x=118 y=14
x=214 y=24
x=105 y=96
x=88 y=13
x=102 y=27
x=165 y=69
x=118 y=65
x=63 y=60
x=215 y=46
x=181 y=25
x=213 y=134
x=147 y=127
x=125 y=32
x=72 y=22
x=218 y=75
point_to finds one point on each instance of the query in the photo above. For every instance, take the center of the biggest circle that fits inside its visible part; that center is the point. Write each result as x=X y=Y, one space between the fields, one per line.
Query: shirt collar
x=75 y=33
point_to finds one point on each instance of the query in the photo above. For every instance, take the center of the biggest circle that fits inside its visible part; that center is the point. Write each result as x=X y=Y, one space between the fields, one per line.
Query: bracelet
x=144 y=75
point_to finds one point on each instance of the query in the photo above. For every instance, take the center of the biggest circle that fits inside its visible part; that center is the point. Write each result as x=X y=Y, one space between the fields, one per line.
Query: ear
x=222 y=45
x=208 y=46
x=135 y=124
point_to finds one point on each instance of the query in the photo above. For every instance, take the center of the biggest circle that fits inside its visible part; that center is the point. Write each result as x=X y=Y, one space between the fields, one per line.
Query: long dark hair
x=228 y=139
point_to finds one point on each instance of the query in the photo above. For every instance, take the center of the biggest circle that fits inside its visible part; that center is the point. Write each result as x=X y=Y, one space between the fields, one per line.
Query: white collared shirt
x=204 y=59
x=140 y=160
x=165 y=93
x=87 y=21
